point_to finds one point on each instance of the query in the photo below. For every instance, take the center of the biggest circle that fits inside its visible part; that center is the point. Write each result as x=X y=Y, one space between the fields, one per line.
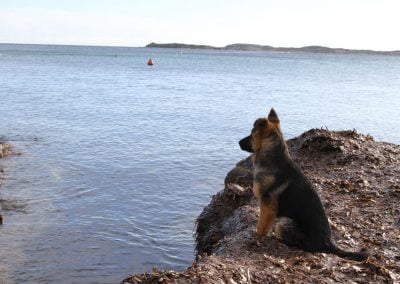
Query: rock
x=5 y=149
x=11 y=205
x=237 y=189
x=362 y=206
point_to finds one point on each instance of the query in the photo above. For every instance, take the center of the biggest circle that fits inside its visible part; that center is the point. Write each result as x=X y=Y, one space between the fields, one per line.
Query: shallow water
x=118 y=158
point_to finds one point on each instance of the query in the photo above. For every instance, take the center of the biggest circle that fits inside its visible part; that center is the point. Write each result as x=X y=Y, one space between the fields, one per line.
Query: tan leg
x=267 y=217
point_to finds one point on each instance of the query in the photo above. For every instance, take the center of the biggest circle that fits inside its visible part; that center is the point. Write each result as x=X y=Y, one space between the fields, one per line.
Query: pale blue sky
x=371 y=24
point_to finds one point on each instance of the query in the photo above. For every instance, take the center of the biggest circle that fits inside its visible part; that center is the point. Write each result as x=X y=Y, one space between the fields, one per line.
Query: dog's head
x=265 y=130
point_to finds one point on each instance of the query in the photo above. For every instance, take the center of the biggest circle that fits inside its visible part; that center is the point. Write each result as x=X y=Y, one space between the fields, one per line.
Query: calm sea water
x=118 y=158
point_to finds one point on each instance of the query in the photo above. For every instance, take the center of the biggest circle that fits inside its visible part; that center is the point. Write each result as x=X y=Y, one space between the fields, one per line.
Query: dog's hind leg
x=267 y=217
x=288 y=232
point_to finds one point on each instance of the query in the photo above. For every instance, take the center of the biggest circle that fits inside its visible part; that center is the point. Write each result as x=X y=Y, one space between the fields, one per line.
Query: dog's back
x=301 y=203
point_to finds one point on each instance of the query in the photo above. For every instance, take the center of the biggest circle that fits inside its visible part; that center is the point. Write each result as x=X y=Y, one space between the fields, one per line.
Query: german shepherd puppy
x=284 y=192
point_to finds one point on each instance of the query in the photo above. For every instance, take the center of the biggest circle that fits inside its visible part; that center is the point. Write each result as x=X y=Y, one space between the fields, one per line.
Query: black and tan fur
x=284 y=192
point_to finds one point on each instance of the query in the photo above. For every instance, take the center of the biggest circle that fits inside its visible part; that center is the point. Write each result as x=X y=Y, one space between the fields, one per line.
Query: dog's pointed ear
x=273 y=117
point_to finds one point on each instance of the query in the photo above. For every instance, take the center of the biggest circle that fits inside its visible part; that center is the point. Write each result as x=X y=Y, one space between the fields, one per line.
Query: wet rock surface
x=11 y=205
x=5 y=150
x=358 y=180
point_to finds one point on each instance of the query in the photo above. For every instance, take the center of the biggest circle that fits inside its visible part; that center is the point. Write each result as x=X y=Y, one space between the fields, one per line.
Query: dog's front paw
x=257 y=239
x=260 y=232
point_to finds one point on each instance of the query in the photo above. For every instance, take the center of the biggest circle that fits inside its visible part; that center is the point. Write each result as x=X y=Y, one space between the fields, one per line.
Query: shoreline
x=358 y=181
x=268 y=48
x=231 y=47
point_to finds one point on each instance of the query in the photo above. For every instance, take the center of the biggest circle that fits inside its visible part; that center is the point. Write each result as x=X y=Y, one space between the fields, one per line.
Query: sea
x=115 y=159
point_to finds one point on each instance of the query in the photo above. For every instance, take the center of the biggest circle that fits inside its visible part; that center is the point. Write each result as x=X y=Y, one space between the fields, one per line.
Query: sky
x=356 y=24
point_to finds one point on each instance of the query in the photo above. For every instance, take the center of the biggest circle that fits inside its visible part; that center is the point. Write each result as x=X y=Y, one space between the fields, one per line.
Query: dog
x=286 y=194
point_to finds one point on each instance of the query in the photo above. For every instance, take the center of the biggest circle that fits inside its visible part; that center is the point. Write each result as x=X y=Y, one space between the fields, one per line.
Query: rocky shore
x=358 y=180
x=5 y=150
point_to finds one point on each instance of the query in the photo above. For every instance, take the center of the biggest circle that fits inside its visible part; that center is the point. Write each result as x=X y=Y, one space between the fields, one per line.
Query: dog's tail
x=358 y=256
x=288 y=231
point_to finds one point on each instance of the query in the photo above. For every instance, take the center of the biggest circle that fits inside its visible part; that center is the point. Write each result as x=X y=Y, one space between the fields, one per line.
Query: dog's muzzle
x=245 y=144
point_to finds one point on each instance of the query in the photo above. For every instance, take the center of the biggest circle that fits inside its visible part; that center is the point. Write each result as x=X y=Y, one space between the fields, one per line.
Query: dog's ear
x=260 y=123
x=273 y=117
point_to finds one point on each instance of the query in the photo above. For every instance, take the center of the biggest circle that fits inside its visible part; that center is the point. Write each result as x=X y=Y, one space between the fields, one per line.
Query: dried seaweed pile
x=358 y=180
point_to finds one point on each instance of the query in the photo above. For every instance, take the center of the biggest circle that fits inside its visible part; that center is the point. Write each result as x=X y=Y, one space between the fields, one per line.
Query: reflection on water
x=119 y=158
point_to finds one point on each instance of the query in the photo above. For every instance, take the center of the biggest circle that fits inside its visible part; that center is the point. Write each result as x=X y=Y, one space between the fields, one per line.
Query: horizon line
x=217 y=47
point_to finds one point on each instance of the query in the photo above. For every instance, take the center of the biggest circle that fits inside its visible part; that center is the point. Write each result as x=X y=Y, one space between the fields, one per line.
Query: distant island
x=257 y=47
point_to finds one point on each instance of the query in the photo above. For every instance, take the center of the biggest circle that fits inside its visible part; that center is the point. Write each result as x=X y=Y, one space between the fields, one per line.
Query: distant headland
x=257 y=47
